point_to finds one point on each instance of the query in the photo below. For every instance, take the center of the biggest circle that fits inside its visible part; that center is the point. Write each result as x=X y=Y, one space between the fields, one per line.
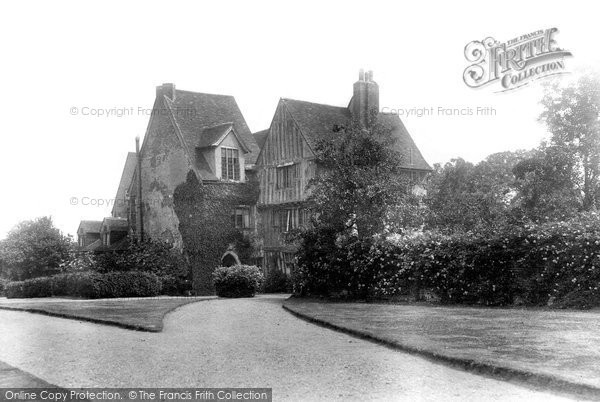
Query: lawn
x=143 y=314
x=562 y=344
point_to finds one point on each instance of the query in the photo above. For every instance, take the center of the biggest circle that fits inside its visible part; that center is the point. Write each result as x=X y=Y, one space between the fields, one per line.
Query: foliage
x=175 y=286
x=277 y=281
x=546 y=185
x=537 y=264
x=209 y=206
x=360 y=187
x=3 y=283
x=33 y=248
x=237 y=280
x=88 y=285
x=157 y=257
x=572 y=115
x=78 y=261
x=463 y=196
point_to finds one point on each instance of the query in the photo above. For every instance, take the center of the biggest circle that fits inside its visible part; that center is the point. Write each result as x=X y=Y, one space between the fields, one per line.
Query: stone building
x=203 y=172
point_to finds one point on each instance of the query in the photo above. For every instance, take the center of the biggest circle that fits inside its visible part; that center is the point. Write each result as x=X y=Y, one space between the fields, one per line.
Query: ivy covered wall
x=204 y=212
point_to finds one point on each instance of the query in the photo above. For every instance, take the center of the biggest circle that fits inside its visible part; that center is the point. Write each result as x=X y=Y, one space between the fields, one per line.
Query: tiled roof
x=195 y=112
x=93 y=246
x=316 y=120
x=261 y=137
x=119 y=206
x=212 y=136
x=90 y=226
x=411 y=156
x=115 y=224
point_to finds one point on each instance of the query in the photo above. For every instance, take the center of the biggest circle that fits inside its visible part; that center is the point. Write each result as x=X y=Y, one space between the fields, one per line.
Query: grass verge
x=143 y=314
x=546 y=350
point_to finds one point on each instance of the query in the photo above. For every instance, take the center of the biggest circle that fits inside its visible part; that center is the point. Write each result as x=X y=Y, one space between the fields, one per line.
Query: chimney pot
x=365 y=99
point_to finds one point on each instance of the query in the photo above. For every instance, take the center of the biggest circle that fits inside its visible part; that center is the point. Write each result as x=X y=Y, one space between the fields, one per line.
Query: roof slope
x=261 y=137
x=115 y=224
x=119 y=206
x=412 y=157
x=195 y=112
x=317 y=120
x=90 y=226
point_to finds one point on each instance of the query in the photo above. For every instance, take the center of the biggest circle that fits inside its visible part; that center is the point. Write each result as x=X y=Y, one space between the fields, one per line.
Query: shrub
x=237 y=281
x=37 y=287
x=90 y=285
x=175 y=286
x=3 y=283
x=157 y=257
x=535 y=264
x=277 y=281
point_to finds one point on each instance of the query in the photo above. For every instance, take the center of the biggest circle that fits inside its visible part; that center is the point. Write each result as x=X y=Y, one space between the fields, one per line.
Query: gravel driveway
x=236 y=343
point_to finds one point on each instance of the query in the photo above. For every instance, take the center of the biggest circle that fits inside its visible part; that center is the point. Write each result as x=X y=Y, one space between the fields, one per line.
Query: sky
x=64 y=60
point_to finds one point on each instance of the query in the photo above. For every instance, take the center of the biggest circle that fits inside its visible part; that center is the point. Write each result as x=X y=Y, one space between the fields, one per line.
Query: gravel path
x=236 y=343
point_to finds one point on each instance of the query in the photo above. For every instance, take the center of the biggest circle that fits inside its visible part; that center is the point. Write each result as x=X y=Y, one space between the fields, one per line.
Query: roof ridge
x=201 y=93
x=229 y=123
x=313 y=103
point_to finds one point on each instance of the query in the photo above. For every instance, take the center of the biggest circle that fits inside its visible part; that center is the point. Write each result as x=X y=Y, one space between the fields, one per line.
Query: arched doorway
x=229 y=259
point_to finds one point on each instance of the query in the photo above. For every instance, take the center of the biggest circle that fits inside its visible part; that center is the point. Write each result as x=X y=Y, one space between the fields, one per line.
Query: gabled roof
x=93 y=246
x=411 y=156
x=213 y=136
x=316 y=120
x=122 y=244
x=261 y=137
x=195 y=112
x=115 y=224
x=89 y=226
x=119 y=207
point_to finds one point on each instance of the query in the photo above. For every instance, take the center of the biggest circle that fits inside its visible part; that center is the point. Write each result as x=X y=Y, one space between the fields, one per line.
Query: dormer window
x=230 y=164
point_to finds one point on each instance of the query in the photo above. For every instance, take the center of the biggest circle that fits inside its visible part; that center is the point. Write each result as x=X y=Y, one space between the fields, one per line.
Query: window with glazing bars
x=230 y=164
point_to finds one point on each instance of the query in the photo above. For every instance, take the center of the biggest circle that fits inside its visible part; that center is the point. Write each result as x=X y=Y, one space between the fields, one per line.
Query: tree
x=360 y=187
x=464 y=196
x=33 y=248
x=546 y=184
x=360 y=192
x=572 y=114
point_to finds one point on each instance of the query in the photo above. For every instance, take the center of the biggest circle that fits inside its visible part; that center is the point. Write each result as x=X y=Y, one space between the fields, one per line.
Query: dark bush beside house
x=237 y=280
x=277 y=281
x=175 y=286
x=89 y=285
x=151 y=256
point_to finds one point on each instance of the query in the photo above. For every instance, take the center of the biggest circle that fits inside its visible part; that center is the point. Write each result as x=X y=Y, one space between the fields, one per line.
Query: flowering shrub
x=552 y=263
x=237 y=281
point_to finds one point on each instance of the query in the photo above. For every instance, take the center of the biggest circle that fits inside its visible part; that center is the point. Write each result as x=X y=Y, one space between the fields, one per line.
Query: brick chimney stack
x=365 y=98
x=166 y=89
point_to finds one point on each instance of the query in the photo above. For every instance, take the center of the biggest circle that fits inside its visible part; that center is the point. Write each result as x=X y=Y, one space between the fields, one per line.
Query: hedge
x=89 y=285
x=277 y=281
x=540 y=264
x=3 y=283
x=237 y=281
